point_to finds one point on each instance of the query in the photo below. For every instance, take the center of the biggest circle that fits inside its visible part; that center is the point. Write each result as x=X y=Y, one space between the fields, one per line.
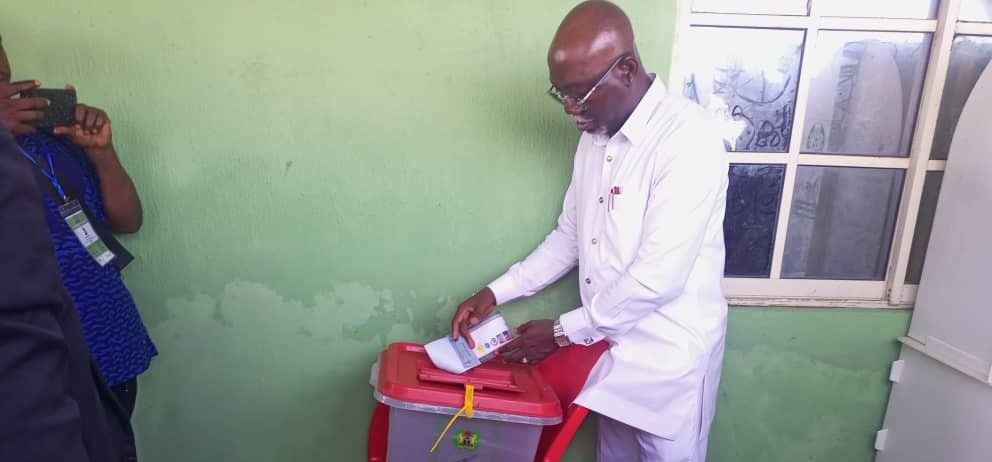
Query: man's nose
x=574 y=108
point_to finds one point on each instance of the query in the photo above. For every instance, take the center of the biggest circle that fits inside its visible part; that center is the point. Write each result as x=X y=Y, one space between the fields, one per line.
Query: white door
x=940 y=409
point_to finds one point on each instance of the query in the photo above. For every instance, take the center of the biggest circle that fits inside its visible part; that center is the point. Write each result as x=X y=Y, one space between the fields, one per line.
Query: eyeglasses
x=565 y=100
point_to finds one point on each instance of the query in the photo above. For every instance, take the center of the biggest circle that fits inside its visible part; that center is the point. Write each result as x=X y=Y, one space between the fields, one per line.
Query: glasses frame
x=565 y=100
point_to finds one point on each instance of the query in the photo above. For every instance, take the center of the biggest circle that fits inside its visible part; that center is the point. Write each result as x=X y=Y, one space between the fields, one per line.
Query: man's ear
x=629 y=68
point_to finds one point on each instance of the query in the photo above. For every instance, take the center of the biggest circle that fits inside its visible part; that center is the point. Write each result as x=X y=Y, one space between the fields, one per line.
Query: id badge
x=75 y=217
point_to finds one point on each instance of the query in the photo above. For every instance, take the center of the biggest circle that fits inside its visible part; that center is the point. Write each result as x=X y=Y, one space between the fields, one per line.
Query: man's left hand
x=91 y=129
x=535 y=341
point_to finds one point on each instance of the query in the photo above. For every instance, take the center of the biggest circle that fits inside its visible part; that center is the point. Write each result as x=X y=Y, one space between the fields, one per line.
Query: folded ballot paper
x=456 y=357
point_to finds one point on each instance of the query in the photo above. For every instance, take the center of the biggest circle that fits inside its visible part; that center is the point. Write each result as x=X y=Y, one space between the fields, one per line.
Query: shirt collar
x=633 y=129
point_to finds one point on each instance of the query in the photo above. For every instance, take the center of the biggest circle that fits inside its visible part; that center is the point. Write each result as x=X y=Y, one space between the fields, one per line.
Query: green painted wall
x=323 y=177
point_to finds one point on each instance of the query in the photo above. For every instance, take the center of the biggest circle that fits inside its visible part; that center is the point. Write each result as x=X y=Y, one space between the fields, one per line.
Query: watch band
x=560 y=338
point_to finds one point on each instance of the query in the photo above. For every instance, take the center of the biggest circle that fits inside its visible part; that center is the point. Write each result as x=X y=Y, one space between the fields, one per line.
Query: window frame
x=893 y=292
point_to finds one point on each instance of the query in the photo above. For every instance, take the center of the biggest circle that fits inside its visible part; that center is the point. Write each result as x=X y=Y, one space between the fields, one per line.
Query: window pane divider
x=749 y=20
x=809 y=22
x=974 y=28
x=831 y=160
x=926 y=125
x=879 y=24
x=758 y=157
x=795 y=143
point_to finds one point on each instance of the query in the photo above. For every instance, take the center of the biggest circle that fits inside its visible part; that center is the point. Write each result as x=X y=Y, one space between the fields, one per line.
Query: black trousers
x=127 y=394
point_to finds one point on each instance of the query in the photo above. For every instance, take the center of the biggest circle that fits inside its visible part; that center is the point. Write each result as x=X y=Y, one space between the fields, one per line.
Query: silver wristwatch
x=560 y=338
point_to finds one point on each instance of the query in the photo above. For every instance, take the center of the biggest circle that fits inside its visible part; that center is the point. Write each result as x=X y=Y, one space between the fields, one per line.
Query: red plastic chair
x=565 y=372
x=378 y=434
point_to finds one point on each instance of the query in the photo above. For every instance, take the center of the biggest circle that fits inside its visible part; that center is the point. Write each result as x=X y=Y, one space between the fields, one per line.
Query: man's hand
x=470 y=313
x=91 y=130
x=20 y=114
x=535 y=341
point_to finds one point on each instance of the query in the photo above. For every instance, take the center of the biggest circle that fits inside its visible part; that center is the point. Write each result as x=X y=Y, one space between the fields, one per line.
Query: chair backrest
x=566 y=372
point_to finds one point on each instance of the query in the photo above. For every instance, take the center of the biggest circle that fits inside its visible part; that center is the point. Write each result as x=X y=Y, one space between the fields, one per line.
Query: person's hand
x=535 y=341
x=20 y=114
x=470 y=313
x=91 y=131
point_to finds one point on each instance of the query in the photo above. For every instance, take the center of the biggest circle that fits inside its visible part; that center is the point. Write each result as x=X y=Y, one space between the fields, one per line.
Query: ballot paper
x=456 y=357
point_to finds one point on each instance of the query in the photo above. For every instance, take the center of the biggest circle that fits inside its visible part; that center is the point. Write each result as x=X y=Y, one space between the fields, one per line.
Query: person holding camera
x=88 y=197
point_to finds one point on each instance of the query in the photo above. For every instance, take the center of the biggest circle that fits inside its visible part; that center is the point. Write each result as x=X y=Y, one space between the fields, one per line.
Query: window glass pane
x=976 y=10
x=753 y=199
x=865 y=92
x=924 y=223
x=841 y=223
x=788 y=7
x=748 y=78
x=970 y=55
x=916 y=9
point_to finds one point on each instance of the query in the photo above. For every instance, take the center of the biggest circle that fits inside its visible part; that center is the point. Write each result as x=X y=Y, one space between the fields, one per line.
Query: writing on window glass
x=865 y=92
x=750 y=84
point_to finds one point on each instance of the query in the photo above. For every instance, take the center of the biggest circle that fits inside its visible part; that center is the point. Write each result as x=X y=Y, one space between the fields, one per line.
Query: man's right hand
x=20 y=114
x=471 y=312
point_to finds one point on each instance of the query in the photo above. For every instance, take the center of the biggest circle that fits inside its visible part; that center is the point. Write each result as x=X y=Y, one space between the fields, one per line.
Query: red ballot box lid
x=406 y=374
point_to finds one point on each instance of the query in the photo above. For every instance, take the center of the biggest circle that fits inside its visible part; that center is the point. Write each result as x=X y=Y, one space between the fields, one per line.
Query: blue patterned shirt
x=118 y=340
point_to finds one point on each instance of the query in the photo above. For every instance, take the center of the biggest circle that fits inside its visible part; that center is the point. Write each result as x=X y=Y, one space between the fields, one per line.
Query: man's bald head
x=595 y=44
x=595 y=32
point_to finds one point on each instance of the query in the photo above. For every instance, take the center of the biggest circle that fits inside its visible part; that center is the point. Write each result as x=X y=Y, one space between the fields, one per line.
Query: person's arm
x=120 y=198
x=552 y=259
x=92 y=133
x=682 y=203
x=38 y=418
